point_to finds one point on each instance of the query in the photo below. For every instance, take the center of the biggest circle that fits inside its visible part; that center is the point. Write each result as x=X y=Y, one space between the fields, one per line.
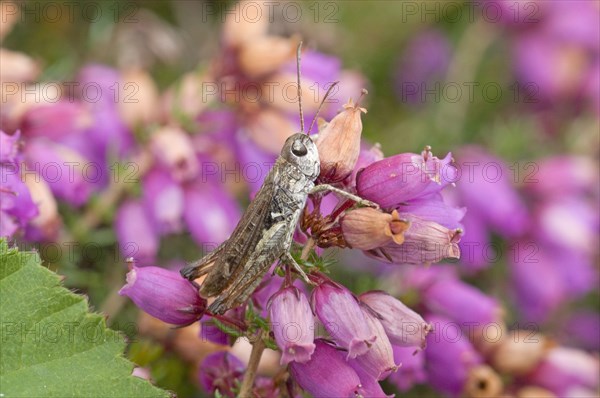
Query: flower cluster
x=17 y=208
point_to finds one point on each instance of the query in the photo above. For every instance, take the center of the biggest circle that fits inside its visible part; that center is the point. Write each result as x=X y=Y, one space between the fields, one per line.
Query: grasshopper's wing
x=204 y=265
x=243 y=241
x=246 y=278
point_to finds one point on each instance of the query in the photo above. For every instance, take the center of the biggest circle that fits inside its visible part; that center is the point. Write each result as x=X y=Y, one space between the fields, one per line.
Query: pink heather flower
x=425 y=242
x=461 y=303
x=62 y=168
x=221 y=371
x=378 y=361
x=369 y=386
x=449 y=356
x=435 y=208
x=164 y=201
x=293 y=325
x=135 y=232
x=209 y=212
x=412 y=370
x=339 y=311
x=403 y=326
x=164 y=294
x=404 y=177
x=566 y=370
x=367 y=155
x=327 y=374
x=424 y=62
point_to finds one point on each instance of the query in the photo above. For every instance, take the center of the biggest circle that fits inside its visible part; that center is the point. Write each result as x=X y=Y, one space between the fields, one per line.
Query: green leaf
x=51 y=345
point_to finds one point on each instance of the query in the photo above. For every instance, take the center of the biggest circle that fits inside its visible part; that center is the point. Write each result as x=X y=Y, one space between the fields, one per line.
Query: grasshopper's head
x=300 y=150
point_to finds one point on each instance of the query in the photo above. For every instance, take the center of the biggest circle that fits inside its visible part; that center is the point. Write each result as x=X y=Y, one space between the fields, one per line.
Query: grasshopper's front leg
x=289 y=260
x=347 y=195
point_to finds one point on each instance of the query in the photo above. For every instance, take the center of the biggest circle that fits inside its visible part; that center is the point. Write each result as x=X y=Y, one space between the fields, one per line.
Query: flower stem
x=258 y=345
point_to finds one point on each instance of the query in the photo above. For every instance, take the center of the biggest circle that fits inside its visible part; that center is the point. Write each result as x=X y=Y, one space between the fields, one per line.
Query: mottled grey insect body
x=264 y=234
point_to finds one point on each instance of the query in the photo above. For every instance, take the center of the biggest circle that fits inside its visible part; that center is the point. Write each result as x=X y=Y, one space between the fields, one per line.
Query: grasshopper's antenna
x=299 y=51
x=321 y=105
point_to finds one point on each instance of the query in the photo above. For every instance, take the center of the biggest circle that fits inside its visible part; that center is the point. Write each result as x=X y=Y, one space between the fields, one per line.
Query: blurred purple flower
x=327 y=374
x=582 y=328
x=486 y=179
x=461 y=302
x=163 y=200
x=339 y=311
x=292 y=324
x=164 y=294
x=57 y=120
x=221 y=371
x=108 y=134
x=62 y=168
x=566 y=372
x=449 y=356
x=210 y=213
x=539 y=287
x=135 y=232
x=209 y=331
x=412 y=370
x=424 y=62
x=564 y=175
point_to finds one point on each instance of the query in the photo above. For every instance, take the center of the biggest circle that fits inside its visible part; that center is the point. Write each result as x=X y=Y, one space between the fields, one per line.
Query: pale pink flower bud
x=265 y=55
x=138 y=98
x=269 y=129
x=339 y=144
x=17 y=67
x=520 y=352
x=10 y=12
x=174 y=148
x=403 y=326
x=188 y=97
x=293 y=325
x=46 y=224
x=367 y=228
x=280 y=91
x=240 y=29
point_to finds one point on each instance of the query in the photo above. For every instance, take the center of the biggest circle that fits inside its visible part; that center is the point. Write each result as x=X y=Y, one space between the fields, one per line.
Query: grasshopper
x=265 y=231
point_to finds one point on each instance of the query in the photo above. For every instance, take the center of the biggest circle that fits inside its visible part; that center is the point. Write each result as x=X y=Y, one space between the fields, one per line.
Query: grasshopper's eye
x=299 y=149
